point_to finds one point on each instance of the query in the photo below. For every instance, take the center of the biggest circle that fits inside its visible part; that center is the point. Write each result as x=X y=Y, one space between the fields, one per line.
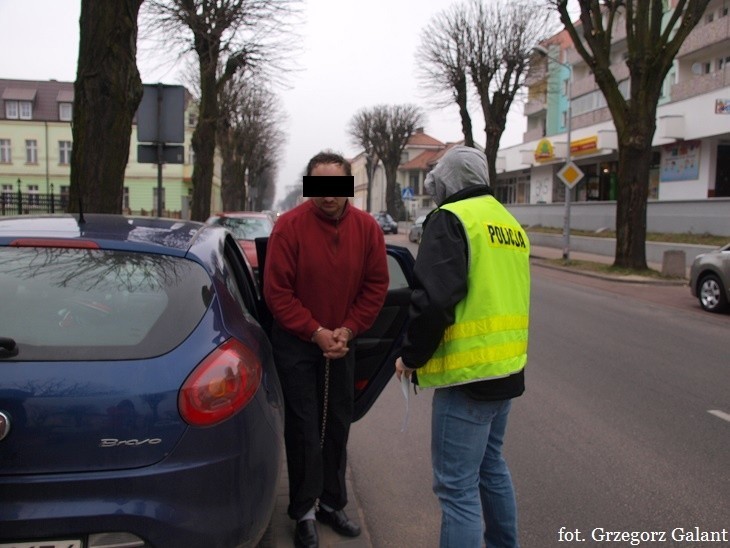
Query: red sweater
x=322 y=271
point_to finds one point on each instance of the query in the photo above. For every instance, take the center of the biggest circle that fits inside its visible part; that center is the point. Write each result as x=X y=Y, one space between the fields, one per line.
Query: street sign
x=570 y=174
x=171 y=154
x=161 y=114
x=407 y=193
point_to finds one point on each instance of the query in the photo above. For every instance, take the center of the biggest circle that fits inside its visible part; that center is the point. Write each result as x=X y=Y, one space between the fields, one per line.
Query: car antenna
x=81 y=210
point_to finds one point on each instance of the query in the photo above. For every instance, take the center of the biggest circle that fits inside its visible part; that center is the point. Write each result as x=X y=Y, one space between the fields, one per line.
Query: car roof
x=110 y=231
x=243 y=214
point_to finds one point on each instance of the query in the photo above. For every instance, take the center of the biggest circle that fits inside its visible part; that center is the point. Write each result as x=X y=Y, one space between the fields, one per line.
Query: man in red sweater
x=325 y=281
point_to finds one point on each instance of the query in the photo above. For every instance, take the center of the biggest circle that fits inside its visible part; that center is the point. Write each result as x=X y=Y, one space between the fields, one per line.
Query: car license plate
x=44 y=544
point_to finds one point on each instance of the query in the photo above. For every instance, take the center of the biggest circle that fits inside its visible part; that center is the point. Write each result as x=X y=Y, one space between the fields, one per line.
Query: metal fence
x=19 y=203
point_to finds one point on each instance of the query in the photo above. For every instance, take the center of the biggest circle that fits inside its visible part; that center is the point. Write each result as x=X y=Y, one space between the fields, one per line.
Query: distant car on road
x=416 y=230
x=709 y=279
x=246 y=227
x=386 y=222
x=139 y=401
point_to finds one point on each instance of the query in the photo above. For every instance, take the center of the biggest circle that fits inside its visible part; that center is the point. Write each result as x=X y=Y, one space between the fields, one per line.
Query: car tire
x=711 y=294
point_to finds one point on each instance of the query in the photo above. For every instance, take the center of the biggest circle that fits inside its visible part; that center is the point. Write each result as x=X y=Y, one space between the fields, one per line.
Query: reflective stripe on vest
x=489 y=336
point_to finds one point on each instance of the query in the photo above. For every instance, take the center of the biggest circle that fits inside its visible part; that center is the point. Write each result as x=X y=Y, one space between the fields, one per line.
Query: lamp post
x=566 y=219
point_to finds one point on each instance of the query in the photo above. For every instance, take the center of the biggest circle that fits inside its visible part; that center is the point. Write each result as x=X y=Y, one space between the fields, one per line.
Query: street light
x=540 y=50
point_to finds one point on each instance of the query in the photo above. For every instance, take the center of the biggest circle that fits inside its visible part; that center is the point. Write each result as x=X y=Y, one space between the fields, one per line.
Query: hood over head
x=459 y=168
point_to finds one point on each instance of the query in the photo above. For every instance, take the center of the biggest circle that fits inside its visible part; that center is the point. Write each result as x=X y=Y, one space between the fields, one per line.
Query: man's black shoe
x=339 y=521
x=306 y=534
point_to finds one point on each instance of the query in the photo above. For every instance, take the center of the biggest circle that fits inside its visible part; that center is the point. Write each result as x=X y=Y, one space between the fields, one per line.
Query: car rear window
x=247 y=228
x=80 y=304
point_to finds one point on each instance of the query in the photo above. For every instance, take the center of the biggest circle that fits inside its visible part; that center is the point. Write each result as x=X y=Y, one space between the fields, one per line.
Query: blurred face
x=330 y=206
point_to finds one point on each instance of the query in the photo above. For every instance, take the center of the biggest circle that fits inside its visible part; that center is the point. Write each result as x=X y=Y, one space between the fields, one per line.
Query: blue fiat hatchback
x=139 y=402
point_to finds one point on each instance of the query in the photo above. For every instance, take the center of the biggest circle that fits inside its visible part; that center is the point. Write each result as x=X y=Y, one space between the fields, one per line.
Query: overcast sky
x=351 y=55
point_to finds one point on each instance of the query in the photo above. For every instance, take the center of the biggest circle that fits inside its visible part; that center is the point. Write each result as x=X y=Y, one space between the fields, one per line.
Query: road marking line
x=720 y=414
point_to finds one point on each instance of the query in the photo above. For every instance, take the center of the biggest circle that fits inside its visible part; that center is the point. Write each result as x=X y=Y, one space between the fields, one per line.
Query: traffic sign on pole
x=570 y=174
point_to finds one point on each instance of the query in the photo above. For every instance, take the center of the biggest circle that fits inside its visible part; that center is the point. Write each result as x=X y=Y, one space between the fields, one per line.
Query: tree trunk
x=391 y=199
x=203 y=140
x=461 y=101
x=634 y=164
x=107 y=92
x=370 y=167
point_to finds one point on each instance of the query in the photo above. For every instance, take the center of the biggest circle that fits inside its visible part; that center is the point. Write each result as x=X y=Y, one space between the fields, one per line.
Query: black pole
x=159 y=150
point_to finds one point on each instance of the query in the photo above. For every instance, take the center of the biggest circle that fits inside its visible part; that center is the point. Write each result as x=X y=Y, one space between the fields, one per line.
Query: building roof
x=421 y=139
x=420 y=162
x=45 y=96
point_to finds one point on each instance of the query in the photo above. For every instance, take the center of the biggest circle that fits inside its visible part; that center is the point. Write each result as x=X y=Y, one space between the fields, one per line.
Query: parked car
x=414 y=233
x=139 y=402
x=709 y=279
x=386 y=222
x=246 y=227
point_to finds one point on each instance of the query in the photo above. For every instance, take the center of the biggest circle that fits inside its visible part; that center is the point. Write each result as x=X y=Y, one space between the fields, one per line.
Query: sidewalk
x=540 y=254
x=281 y=532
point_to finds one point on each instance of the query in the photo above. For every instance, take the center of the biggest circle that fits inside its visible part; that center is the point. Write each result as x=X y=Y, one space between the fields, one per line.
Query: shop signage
x=584 y=146
x=544 y=151
x=722 y=106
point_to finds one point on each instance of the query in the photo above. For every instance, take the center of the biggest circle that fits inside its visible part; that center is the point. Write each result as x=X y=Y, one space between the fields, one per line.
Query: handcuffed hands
x=333 y=343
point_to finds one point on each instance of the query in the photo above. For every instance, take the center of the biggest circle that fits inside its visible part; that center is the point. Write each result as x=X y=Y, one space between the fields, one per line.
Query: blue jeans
x=470 y=476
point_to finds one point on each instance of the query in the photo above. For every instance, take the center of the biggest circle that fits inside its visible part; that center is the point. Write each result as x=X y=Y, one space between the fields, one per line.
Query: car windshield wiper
x=8 y=348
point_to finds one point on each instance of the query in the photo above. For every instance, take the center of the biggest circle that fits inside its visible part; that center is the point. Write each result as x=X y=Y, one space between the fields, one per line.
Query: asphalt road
x=624 y=428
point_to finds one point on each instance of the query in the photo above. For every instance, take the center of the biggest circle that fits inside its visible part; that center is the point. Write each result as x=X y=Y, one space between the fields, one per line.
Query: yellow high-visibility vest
x=488 y=339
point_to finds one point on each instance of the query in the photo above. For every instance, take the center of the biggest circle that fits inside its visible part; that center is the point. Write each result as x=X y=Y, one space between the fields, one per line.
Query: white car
x=709 y=279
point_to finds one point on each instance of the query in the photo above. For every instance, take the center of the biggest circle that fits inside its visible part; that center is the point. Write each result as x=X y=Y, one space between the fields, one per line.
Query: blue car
x=139 y=402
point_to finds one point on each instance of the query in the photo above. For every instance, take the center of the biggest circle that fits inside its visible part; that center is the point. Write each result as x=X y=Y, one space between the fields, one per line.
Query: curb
x=631 y=278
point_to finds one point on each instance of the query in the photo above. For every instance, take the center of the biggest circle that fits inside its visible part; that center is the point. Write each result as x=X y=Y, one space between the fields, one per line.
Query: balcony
x=701 y=84
x=533 y=134
x=533 y=106
x=705 y=35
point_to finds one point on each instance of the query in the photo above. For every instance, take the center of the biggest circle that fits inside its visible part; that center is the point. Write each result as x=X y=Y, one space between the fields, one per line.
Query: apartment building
x=36 y=144
x=691 y=144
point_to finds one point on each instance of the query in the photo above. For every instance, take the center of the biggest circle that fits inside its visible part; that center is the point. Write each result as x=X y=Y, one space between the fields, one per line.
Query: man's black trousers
x=314 y=472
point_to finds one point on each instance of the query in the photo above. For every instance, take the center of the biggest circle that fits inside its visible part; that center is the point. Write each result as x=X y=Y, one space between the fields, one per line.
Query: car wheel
x=711 y=294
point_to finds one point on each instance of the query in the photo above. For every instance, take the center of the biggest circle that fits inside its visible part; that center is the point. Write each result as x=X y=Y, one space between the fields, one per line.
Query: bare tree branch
x=384 y=130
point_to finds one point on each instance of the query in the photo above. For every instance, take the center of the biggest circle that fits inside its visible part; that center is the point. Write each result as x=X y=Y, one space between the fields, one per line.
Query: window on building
x=125 y=199
x=5 y=150
x=25 y=109
x=192 y=119
x=34 y=195
x=64 y=193
x=11 y=110
x=64 y=152
x=191 y=155
x=709 y=18
x=65 y=112
x=413 y=179
x=31 y=151
x=7 y=192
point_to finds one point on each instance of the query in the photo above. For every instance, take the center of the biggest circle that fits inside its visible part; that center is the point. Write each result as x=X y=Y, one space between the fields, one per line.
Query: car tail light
x=221 y=385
